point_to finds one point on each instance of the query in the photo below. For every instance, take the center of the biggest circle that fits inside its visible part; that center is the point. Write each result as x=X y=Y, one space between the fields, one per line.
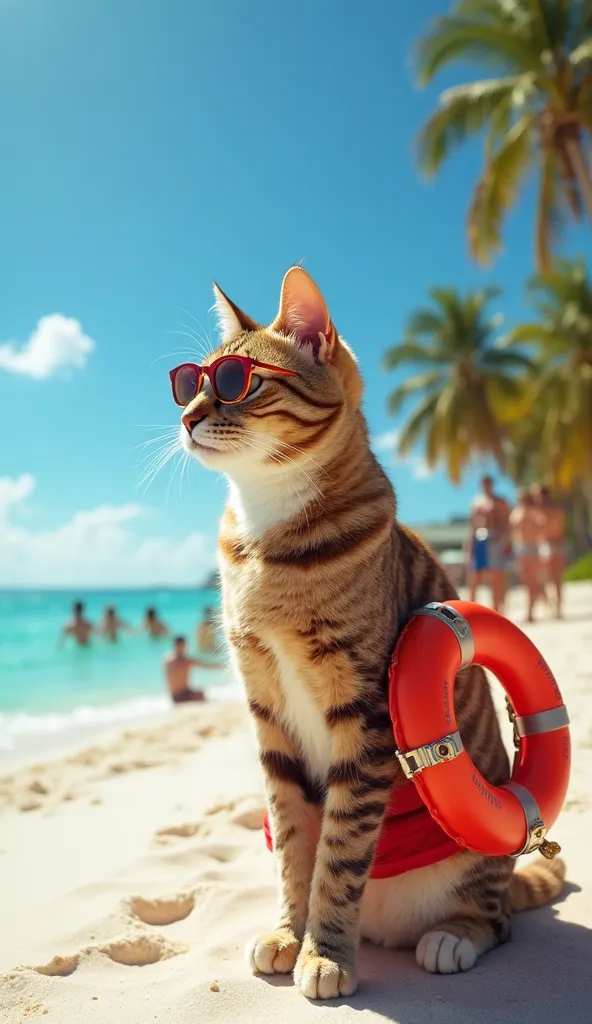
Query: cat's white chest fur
x=302 y=716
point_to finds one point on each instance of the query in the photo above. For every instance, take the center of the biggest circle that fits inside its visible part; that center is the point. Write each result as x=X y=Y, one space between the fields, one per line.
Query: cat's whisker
x=285 y=444
x=287 y=458
x=205 y=334
x=174 y=353
x=168 y=435
x=184 y=465
x=157 y=464
x=198 y=339
x=201 y=353
x=153 y=426
x=154 y=455
x=277 y=457
x=176 y=467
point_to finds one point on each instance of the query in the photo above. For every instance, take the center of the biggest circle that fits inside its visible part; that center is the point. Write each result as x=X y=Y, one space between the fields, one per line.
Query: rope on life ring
x=439 y=641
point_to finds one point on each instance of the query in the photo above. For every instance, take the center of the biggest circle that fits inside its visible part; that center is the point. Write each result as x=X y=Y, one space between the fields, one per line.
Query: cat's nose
x=190 y=420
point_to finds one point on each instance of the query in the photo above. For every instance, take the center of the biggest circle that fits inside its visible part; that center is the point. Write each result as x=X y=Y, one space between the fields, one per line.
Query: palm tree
x=468 y=390
x=536 y=112
x=561 y=390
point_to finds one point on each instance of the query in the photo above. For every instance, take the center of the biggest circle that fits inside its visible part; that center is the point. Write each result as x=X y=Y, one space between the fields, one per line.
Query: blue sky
x=148 y=148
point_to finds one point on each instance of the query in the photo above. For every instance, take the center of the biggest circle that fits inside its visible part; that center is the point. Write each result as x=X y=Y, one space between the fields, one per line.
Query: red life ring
x=438 y=641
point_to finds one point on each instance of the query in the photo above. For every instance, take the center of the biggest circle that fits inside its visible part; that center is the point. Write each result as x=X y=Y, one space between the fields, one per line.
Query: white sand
x=129 y=888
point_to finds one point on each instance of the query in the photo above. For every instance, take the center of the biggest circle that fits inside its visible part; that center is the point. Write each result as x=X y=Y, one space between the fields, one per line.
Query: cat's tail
x=538 y=883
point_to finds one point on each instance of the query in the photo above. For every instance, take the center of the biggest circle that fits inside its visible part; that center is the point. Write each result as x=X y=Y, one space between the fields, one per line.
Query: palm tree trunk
x=581 y=171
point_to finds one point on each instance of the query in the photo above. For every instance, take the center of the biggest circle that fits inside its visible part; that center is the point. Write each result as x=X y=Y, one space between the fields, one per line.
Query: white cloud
x=96 y=547
x=57 y=343
x=386 y=445
x=386 y=442
x=420 y=469
x=14 y=491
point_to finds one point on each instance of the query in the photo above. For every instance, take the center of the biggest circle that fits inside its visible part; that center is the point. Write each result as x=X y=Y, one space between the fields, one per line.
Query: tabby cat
x=318 y=578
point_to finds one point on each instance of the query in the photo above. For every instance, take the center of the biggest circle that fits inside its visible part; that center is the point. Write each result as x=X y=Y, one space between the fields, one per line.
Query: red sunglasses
x=230 y=377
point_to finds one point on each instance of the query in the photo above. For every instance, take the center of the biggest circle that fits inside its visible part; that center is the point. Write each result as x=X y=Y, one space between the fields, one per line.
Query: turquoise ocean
x=49 y=691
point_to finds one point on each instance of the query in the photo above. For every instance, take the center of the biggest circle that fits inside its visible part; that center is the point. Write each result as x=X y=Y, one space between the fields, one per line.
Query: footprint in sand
x=122 y=767
x=142 y=950
x=224 y=854
x=162 y=911
x=139 y=951
x=59 y=966
x=184 y=831
x=248 y=812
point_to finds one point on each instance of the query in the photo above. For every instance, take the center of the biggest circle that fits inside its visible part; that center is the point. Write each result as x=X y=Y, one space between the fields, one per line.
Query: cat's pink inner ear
x=303 y=311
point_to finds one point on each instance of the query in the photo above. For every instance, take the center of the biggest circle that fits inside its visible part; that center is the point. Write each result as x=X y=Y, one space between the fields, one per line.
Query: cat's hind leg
x=457 y=944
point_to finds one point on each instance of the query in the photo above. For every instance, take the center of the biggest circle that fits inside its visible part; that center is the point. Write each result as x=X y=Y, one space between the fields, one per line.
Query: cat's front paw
x=273 y=952
x=322 y=977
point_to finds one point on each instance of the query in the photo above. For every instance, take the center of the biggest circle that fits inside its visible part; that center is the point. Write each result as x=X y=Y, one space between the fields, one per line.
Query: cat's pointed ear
x=231 y=319
x=303 y=314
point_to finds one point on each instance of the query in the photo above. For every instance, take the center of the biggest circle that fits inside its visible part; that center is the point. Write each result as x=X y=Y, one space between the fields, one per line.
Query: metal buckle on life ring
x=445 y=749
x=537 y=830
x=457 y=623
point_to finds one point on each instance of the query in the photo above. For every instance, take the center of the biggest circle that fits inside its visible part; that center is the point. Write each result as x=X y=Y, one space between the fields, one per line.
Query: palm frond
x=582 y=53
x=508 y=398
x=505 y=360
x=417 y=425
x=548 y=215
x=464 y=111
x=424 y=322
x=558 y=18
x=496 y=191
x=410 y=352
x=582 y=21
x=487 y=41
x=421 y=382
x=524 y=334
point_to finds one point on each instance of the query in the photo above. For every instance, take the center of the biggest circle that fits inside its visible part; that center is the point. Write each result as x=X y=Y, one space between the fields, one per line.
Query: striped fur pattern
x=318 y=579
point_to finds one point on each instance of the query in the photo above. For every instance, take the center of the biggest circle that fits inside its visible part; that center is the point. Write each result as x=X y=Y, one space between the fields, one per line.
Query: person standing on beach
x=78 y=627
x=525 y=527
x=551 y=542
x=489 y=543
x=111 y=625
x=177 y=669
x=153 y=626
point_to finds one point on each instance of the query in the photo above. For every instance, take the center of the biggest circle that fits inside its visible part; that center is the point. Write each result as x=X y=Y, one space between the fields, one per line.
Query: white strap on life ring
x=536 y=830
x=459 y=626
x=541 y=721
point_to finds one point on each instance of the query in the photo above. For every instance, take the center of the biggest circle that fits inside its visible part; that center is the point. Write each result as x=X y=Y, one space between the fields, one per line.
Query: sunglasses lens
x=229 y=379
x=186 y=381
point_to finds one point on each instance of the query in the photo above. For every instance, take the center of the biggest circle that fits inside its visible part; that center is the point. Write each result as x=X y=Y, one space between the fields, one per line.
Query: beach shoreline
x=134 y=870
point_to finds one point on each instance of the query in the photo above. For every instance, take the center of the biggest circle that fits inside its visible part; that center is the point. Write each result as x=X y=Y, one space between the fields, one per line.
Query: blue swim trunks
x=488 y=554
x=480 y=561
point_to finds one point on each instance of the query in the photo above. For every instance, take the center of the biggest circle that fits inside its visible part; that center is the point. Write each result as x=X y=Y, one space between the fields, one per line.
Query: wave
x=19 y=728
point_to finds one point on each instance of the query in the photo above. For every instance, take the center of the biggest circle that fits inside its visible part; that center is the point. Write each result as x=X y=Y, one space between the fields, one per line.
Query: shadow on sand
x=543 y=976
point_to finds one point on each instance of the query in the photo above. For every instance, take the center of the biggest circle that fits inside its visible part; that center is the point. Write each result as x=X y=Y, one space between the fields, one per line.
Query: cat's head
x=284 y=420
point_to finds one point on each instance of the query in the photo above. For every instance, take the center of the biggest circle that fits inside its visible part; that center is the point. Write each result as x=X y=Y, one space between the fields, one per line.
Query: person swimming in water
x=177 y=669
x=79 y=628
x=111 y=625
x=153 y=625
